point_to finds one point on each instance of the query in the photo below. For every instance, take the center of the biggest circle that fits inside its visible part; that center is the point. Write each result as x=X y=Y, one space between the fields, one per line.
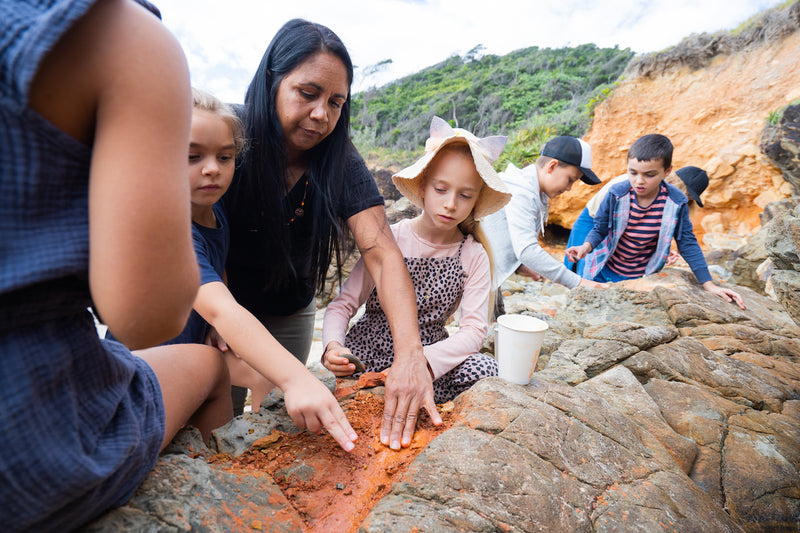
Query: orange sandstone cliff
x=714 y=116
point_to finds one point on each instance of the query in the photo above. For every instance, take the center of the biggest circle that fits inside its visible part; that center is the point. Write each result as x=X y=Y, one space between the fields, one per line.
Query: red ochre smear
x=330 y=489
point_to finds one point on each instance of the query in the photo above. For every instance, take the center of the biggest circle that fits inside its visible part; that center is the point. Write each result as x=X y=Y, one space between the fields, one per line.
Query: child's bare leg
x=243 y=375
x=195 y=386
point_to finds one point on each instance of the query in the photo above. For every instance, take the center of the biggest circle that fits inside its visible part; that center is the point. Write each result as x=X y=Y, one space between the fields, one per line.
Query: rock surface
x=659 y=407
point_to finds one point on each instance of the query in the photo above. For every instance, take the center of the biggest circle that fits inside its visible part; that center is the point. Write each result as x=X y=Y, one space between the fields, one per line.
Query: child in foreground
x=449 y=261
x=639 y=217
x=94 y=212
x=256 y=359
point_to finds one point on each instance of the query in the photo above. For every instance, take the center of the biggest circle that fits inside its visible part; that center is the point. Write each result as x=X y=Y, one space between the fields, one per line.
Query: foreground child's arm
x=308 y=401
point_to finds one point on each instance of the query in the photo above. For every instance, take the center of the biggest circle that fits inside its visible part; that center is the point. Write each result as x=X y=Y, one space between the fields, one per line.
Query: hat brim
x=589 y=177
x=494 y=193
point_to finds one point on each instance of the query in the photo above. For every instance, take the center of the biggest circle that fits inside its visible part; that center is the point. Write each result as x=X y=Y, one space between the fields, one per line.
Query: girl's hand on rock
x=312 y=406
x=334 y=360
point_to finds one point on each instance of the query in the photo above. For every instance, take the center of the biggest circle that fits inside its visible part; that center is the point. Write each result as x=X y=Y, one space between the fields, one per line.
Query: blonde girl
x=449 y=262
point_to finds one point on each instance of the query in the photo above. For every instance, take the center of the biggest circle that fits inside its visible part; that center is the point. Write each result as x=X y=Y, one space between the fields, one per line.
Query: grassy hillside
x=529 y=95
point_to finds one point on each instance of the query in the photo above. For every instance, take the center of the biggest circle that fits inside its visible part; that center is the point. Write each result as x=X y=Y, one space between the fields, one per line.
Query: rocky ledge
x=659 y=407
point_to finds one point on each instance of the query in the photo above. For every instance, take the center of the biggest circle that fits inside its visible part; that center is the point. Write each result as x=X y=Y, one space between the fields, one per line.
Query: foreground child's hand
x=726 y=294
x=576 y=253
x=312 y=406
x=334 y=360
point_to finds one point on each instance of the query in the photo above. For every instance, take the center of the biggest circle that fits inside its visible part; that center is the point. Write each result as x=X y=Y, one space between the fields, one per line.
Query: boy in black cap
x=514 y=230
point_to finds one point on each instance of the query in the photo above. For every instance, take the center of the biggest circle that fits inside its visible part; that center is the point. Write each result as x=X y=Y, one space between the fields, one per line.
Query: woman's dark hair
x=263 y=170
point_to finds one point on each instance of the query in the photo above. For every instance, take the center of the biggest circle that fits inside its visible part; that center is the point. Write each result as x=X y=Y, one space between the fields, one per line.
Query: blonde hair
x=468 y=226
x=207 y=102
x=676 y=181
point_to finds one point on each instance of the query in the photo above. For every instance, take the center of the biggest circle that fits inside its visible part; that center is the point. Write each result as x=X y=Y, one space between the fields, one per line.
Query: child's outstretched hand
x=576 y=253
x=726 y=294
x=334 y=360
x=312 y=406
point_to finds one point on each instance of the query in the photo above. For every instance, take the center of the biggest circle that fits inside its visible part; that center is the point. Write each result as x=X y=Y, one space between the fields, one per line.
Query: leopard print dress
x=439 y=285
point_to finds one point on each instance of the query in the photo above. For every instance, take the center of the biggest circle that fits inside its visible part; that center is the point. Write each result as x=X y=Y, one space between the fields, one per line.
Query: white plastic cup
x=517 y=344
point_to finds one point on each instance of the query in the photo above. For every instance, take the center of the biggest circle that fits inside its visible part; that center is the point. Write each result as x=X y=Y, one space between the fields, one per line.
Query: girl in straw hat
x=449 y=261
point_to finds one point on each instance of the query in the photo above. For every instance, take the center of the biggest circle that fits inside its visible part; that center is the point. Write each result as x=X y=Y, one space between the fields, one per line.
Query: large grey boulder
x=546 y=457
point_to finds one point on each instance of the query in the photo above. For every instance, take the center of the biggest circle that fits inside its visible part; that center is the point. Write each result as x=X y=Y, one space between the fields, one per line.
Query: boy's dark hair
x=651 y=147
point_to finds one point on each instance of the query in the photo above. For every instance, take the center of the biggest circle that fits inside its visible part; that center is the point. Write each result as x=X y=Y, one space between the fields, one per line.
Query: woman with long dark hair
x=300 y=191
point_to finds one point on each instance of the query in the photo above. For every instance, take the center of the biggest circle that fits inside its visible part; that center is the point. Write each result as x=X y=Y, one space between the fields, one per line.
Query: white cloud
x=224 y=43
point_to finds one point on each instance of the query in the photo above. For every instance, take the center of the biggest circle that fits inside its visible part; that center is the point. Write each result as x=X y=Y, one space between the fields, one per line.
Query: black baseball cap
x=573 y=151
x=696 y=181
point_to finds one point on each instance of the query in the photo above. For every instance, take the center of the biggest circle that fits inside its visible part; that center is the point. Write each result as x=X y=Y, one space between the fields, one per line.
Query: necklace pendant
x=425 y=296
x=298 y=213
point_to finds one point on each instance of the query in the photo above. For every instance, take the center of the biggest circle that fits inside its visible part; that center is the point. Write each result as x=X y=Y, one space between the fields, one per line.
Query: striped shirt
x=640 y=238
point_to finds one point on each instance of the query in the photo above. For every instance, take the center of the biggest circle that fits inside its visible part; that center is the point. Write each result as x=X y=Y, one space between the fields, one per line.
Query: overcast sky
x=224 y=41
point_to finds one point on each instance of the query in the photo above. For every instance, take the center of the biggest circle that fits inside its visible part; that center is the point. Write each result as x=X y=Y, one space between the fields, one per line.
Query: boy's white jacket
x=513 y=231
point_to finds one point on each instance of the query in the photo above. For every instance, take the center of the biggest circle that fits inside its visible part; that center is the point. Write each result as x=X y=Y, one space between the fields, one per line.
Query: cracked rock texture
x=662 y=408
x=657 y=407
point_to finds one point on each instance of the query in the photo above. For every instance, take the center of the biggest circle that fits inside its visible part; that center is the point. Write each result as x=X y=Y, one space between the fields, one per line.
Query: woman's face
x=310 y=100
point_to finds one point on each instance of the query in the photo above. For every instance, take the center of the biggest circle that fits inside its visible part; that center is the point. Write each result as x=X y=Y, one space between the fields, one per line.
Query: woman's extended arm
x=409 y=386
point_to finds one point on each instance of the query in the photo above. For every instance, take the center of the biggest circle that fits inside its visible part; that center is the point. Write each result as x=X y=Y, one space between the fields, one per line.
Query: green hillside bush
x=530 y=95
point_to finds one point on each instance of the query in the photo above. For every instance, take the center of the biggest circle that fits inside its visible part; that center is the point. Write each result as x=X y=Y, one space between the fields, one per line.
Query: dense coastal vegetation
x=529 y=95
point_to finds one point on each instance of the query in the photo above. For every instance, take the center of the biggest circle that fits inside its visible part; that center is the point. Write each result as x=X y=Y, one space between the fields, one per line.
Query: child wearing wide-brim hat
x=448 y=260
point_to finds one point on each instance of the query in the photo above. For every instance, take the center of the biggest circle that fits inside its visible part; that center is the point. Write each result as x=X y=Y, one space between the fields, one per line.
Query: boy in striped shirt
x=638 y=219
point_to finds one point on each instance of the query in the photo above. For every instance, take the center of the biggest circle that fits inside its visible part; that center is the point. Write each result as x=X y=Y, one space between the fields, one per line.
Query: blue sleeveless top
x=82 y=418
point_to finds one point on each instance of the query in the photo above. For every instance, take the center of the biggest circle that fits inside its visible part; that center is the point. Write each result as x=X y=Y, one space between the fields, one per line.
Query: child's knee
x=212 y=362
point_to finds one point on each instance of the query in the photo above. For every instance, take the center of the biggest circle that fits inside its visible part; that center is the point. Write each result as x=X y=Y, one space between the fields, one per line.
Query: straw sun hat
x=494 y=193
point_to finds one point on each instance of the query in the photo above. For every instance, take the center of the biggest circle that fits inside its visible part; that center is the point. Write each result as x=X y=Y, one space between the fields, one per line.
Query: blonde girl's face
x=212 y=157
x=451 y=191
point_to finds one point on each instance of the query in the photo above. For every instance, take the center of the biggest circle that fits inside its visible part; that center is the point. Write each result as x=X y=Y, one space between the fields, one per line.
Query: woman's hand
x=312 y=406
x=334 y=361
x=409 y=387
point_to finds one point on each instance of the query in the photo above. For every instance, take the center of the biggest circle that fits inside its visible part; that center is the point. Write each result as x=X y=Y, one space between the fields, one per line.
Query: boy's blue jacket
x=612 y=219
